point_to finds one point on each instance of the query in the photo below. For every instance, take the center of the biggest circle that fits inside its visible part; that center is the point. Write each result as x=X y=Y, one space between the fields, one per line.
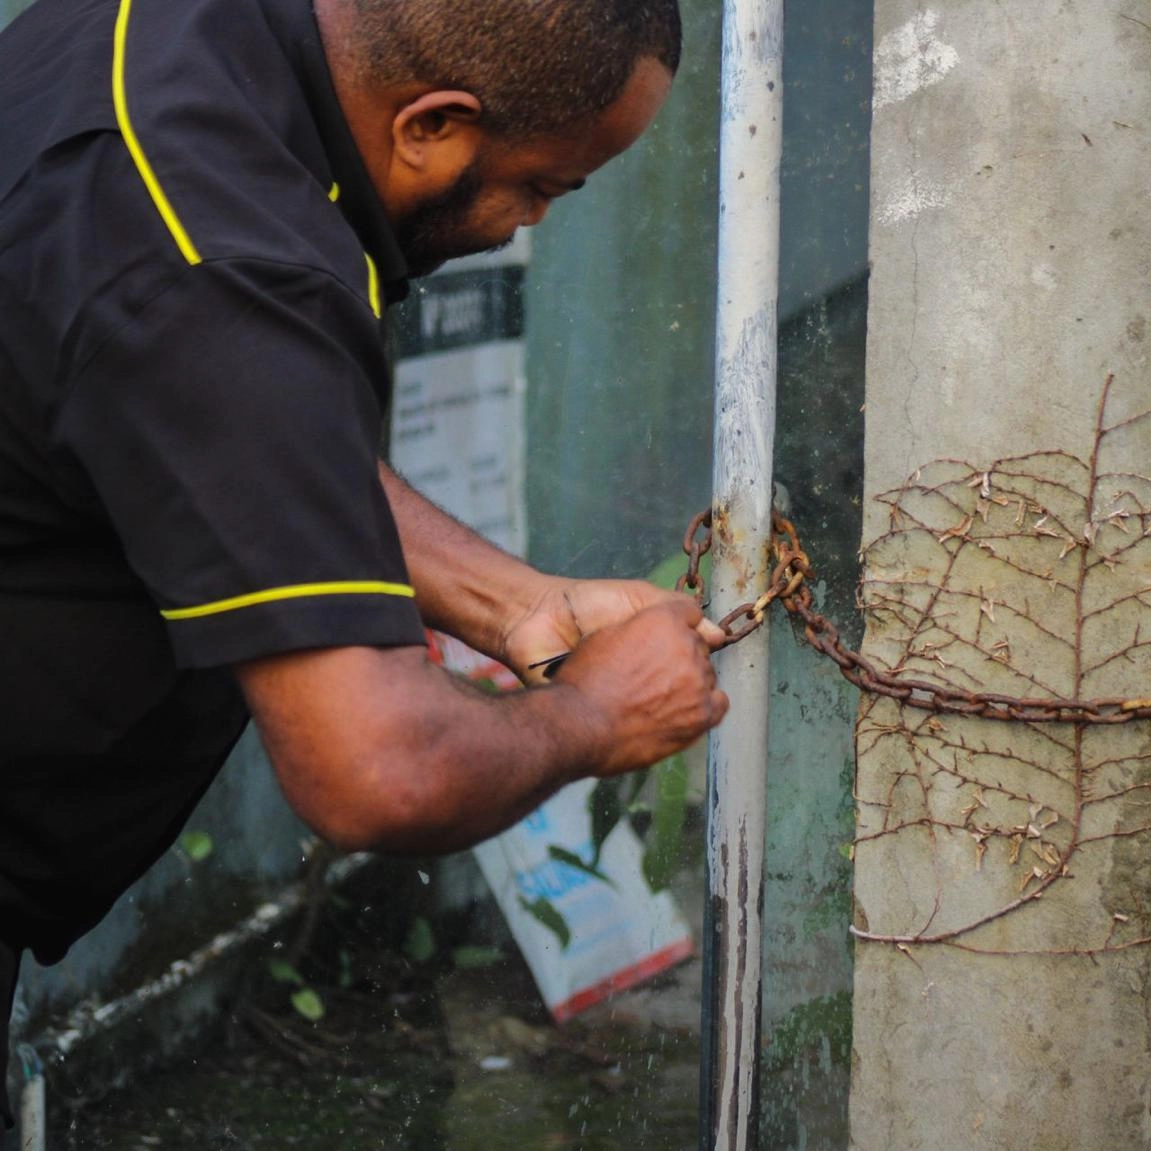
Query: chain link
x=789 y=584
x=695 y=548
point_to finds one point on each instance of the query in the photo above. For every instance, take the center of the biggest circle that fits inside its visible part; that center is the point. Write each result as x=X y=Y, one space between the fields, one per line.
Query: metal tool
x=550 y=665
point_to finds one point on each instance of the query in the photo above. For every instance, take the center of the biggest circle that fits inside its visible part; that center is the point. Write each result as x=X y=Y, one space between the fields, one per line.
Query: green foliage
x=476 y=958
x=618 y=798
x=543 y=911
x=667 y=572
x=606 y=808
x=304 y=999
x=345 y=980
x=283 y=972
x=570 y=859
x=196 y=845
x=420 y=944
x=308 y=1004
x=663 y=847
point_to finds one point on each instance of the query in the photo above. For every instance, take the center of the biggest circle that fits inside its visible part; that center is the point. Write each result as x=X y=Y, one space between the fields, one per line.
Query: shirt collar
x=294 y=22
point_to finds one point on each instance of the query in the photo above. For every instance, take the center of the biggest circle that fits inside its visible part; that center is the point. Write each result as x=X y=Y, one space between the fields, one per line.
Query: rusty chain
x=789 y=584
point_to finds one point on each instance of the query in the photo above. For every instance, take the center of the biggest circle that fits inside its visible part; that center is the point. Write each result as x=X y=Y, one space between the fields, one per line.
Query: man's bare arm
x=498 y=604
x=464 y=585
x=380 y=749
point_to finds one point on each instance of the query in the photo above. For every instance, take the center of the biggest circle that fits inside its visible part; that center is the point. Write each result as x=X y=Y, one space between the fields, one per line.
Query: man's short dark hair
x=539 y=67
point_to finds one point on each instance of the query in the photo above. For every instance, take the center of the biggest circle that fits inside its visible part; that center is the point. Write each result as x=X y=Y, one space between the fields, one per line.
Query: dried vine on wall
x=1030 y=576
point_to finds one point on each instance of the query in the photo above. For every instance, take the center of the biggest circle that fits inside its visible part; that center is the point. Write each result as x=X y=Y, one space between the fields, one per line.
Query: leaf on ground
x=197 y=845
x=476 y=958
x=420 y=942
x=308 y=1004
x=283 y=972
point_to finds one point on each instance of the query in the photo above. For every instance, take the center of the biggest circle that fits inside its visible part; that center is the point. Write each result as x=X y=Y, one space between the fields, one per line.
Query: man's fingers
x=713 y=635
x=682 y=605
x=719 y=706
x=692 y=614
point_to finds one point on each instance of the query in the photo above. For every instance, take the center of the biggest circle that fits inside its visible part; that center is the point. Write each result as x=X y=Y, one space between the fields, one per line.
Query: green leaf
x=570 y=859
x=606 y=808
x=667 y=572
x=308 y=1004
x=543 y=911
x=487 y=685
x=420 y=944
x=345 y=977
x=476 y=958
x=196 y=845
x=283 y=972
x=635 y=780
x=663 y=856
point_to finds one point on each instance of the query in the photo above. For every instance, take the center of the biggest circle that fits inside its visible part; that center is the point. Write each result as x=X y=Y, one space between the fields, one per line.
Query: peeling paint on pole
x=750 y=147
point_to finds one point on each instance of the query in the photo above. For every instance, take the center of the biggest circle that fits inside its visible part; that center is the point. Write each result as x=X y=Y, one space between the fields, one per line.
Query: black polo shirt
x=193 y=264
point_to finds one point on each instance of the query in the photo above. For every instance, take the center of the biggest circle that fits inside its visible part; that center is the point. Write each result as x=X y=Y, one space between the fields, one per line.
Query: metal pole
x=750 y=145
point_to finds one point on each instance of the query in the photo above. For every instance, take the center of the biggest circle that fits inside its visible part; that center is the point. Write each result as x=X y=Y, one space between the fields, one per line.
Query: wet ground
x=452 y=1054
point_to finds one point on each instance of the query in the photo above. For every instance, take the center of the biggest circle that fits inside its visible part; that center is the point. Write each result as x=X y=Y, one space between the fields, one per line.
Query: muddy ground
x=451 y=1053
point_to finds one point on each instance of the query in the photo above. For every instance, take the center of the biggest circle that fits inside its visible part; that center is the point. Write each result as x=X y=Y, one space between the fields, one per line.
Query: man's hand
x=380 y=749
x=569 y=611
x=497 y=603
x=647 y=684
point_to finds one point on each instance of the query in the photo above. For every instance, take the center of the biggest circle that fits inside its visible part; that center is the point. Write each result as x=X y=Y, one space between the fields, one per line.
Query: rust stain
x=721 y=524
x=751 y=564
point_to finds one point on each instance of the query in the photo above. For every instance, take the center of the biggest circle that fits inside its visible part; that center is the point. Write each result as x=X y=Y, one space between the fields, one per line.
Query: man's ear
x=437 y=130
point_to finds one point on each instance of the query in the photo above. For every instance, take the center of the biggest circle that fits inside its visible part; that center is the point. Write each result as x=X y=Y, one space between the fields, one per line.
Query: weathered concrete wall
x=1011 y=274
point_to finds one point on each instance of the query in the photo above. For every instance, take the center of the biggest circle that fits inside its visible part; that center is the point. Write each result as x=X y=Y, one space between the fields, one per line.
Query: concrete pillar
x=1003 y=870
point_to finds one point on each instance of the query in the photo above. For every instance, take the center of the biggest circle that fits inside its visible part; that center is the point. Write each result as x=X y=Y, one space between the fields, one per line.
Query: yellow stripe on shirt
x=120 y=100
x=373 y=285
x=295 y=591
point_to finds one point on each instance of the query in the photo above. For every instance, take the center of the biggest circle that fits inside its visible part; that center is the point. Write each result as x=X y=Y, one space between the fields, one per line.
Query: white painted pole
x=32 y=1126
x=746 y=363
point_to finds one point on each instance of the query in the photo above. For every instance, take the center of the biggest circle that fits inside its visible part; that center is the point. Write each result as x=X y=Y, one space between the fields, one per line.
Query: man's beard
x=437 y=230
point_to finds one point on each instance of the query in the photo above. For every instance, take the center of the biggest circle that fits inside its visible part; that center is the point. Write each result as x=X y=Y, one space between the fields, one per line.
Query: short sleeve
x=230 y=430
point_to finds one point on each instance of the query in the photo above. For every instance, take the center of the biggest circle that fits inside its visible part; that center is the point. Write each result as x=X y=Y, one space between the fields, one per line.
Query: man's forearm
x=464 y=585
x=379 y=748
